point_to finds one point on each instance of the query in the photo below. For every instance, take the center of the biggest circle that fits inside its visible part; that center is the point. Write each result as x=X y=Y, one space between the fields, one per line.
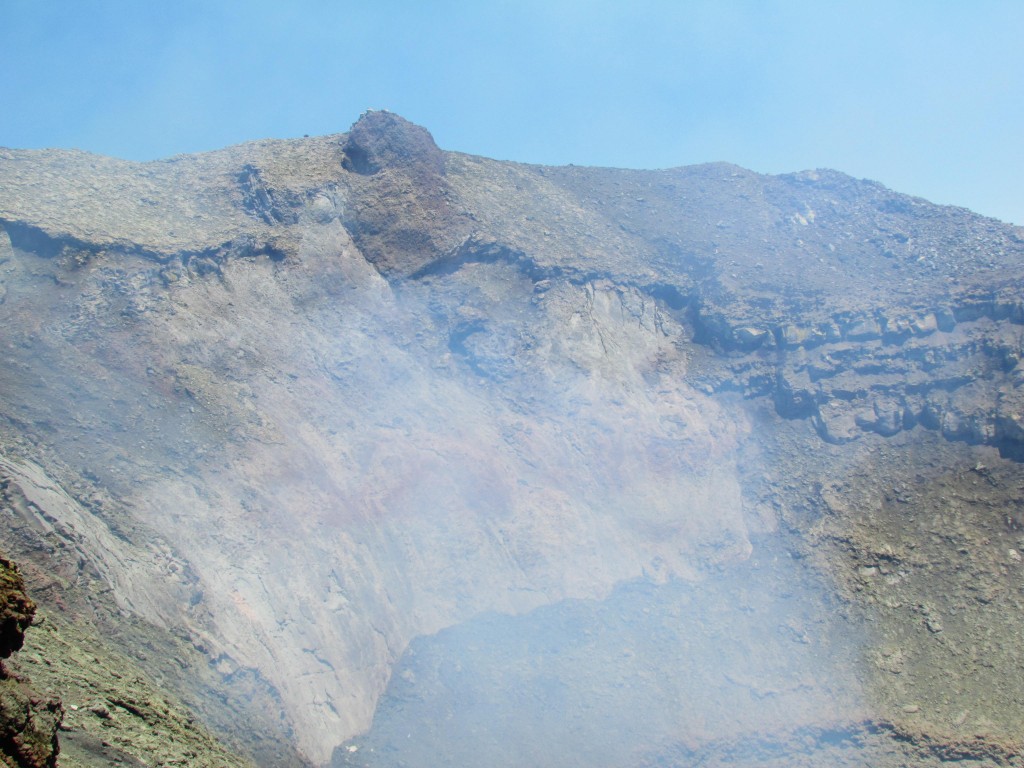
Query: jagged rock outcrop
x=297 y=403
x=16 y=609
x=28 y=721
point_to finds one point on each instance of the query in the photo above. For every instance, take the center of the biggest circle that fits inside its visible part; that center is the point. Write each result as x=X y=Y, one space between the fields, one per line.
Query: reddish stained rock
x=28 y=722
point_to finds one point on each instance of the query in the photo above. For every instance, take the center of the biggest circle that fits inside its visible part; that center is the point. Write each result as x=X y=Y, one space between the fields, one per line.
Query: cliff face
x=292 y=405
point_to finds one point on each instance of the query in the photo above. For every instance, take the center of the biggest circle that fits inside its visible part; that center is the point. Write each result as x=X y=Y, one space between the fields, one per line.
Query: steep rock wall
x=343 y=484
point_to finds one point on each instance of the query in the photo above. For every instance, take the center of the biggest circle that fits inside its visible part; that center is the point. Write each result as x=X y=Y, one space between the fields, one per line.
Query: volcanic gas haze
x=303 y=413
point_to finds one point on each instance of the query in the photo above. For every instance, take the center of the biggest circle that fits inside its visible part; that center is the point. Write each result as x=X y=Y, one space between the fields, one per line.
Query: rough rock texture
x=286 y=411
x=132 y=690
x=28 y=722
x=16 y=609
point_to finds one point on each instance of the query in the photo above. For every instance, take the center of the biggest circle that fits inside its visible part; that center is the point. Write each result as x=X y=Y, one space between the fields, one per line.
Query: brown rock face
x=28 y=722
x=16 y=609
x=402 y=218
x=383 y=139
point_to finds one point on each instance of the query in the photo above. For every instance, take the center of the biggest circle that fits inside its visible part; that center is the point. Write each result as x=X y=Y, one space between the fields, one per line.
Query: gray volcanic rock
x=295 y=404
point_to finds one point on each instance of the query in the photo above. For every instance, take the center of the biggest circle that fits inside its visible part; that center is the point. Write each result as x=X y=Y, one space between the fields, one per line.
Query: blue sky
x=926 y=97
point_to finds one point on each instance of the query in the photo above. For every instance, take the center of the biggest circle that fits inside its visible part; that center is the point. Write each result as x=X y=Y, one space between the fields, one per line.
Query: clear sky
x=925 y=96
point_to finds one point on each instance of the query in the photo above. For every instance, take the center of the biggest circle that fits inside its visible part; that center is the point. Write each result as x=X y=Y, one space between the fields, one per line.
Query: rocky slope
x=270 y=415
